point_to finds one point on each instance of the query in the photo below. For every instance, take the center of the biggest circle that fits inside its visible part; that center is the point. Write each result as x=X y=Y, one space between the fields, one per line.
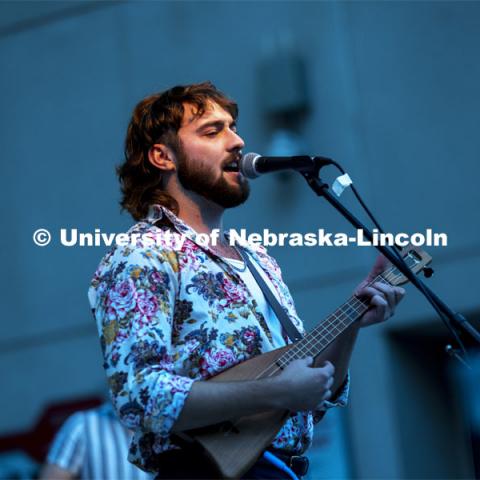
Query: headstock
x=415 y=258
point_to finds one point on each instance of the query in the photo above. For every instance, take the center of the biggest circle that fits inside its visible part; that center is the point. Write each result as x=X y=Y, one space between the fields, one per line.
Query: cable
x=396 y=252
x=270 y=457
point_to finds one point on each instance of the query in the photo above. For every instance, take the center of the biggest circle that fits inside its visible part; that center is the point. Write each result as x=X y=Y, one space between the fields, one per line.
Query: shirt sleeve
x=133 y=299
x=340 y=400
x=68 y=448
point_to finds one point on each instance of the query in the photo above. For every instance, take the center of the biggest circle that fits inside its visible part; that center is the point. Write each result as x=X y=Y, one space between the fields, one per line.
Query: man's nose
x=236 y=141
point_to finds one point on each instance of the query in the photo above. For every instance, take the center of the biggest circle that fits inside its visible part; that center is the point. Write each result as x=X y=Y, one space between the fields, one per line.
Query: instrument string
x=338 y=320
x=359 y=307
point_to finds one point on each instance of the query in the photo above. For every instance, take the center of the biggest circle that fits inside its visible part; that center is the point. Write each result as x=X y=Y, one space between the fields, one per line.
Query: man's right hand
x=303 y=387
x=300 y=387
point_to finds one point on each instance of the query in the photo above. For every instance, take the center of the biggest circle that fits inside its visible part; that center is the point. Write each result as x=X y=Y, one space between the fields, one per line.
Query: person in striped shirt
x=92 y=444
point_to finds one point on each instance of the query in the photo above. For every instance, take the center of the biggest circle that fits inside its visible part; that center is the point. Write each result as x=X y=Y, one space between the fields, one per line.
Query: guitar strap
x=282 y=316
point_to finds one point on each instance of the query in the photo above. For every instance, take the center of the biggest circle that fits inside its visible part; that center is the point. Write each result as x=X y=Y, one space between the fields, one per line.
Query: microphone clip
x=312 y=175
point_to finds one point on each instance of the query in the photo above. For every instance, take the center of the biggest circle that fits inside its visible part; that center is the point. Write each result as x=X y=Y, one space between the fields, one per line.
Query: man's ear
x=162 y=157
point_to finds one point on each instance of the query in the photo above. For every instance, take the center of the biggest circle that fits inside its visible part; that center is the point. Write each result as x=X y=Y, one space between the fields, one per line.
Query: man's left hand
x=383 y=298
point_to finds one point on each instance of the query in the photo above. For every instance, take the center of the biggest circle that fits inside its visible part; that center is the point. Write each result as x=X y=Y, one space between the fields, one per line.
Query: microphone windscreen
x=247 y=165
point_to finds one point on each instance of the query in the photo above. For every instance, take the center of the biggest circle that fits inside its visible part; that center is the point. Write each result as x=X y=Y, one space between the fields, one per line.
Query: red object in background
x=36 y=442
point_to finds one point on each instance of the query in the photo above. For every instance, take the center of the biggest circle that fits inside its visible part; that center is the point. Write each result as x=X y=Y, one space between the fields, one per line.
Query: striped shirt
x=93 y=444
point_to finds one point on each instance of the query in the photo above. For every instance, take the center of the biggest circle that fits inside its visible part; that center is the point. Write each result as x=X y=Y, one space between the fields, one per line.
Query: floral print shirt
x=169 y=315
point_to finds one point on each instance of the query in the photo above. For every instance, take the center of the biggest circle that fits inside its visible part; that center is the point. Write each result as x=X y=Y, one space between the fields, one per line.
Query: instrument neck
x=329 y=329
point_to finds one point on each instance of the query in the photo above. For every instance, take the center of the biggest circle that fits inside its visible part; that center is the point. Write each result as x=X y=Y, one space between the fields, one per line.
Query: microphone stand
x=457 y=321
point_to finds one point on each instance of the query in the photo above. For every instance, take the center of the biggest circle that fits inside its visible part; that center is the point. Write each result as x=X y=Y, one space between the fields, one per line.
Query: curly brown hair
x=157 y=119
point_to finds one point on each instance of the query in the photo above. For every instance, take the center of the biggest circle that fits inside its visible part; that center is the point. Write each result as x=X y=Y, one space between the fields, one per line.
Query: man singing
x=171 y=314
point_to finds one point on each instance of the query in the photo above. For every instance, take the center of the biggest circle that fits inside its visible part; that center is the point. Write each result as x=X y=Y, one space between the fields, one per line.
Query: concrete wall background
x=395 y=99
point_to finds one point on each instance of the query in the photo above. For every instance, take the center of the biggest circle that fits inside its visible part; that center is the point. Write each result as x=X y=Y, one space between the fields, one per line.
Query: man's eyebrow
x=217 y=124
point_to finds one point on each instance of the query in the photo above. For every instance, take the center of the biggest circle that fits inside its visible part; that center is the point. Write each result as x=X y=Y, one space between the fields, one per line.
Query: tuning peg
x=427 y=272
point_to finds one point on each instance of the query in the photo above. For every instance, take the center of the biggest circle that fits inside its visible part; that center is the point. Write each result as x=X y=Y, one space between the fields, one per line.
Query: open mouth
x=232 y=167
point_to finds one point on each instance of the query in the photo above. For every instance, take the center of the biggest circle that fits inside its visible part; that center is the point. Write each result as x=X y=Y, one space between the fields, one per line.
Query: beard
x=218 y=191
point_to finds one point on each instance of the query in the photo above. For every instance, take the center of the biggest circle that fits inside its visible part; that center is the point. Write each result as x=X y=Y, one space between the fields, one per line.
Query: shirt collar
x=157 y=212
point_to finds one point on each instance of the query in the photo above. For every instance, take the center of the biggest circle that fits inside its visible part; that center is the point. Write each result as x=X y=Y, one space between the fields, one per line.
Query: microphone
x=252 y=165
